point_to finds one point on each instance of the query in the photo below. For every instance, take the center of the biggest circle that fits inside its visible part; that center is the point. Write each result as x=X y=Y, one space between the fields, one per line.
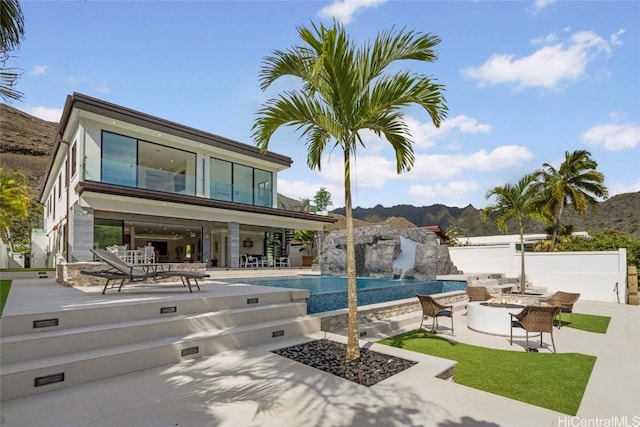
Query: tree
x=345 y=90
x=308 y=239
x=11 y=35
x=575 y=182
x=519 y=201
x=322 y=199
x=14 y=200
x=607 y=241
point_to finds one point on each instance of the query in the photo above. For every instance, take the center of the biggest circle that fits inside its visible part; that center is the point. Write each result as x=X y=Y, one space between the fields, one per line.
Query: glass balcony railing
x=132 y=175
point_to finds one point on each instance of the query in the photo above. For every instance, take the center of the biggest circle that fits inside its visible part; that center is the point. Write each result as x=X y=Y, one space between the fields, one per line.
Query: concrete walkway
x=254 y=387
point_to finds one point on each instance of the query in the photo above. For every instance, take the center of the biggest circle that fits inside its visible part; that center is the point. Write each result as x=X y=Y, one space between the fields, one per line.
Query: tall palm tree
x=14 y=200
x=11 y=34
x=519 y=201
x=575 y=182
x=345 y=90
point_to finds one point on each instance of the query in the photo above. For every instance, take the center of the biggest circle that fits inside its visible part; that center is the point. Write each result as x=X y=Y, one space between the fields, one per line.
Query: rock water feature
x=381 y=251
x=386 y=251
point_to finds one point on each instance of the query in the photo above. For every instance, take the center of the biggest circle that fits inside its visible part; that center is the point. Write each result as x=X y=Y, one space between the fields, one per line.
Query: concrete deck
x=254 y=387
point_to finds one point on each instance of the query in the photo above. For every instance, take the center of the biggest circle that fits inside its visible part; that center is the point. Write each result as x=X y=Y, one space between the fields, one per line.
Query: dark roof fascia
x=117 y=112
x=139 y=193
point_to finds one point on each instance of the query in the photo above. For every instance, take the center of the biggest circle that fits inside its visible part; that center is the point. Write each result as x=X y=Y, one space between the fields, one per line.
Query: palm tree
x=344 y=91
x=14 y=200
x=11 y=34
x=575 y=182
x=518 y=202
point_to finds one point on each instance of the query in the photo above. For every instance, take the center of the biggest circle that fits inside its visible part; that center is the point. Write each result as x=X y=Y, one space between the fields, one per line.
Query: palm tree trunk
x=556 y=226
x=353 y=346
x=523 y=282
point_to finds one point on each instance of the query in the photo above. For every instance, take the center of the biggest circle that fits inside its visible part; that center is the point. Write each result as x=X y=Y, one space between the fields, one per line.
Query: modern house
x=121 y=177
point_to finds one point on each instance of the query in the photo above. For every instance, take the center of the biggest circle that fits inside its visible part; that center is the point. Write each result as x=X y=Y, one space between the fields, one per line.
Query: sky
x=525 y=82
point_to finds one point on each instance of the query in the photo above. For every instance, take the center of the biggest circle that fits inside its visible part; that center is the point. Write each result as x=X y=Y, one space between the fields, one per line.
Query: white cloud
x=615 y=38
x=305 y=190
x=39 y=70
x=98 y=86
x=454 y=192
x=44 y=113
x=547 y=67
x=441 y=166
x=424 y=134
x=615 y=189
x=613 y=136
x=343 y=10
x=538 y=5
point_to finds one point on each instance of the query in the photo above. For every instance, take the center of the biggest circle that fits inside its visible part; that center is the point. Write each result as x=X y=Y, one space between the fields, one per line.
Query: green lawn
x=554 y=381
x=586 y=322
x=5 y=285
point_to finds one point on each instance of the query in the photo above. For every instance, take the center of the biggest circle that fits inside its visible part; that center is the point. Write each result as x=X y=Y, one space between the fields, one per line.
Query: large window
x=107 y=232
x=262 y=188
x=119 y=157
x=242 y=184
x=238 y=183
x=220 y=180
x=136 y=163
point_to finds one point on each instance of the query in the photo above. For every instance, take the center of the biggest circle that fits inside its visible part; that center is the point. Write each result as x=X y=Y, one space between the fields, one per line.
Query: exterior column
x=206 y=245
x=80 y=224
x=234 y=244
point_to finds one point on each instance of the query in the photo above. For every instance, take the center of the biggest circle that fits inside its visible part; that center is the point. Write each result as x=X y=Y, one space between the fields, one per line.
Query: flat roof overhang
x=112 y=198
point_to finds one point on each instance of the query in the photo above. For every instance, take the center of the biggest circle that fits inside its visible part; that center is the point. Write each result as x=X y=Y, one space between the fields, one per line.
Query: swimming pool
x=330 y=293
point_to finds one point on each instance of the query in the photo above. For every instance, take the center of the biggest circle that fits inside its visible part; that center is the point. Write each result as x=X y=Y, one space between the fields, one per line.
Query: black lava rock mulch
x=330 y=356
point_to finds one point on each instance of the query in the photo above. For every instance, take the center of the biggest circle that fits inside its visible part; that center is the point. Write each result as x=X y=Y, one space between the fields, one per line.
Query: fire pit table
x=493 y=318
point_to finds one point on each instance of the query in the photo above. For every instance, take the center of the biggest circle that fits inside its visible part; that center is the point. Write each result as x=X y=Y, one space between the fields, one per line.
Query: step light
x=189 y=351
x=252 y=300
x=45 y=323
x=170 y=309
x=276 y=334
x=48 y=379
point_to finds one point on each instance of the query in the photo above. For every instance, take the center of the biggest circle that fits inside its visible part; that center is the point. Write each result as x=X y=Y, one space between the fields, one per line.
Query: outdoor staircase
x=46 y=351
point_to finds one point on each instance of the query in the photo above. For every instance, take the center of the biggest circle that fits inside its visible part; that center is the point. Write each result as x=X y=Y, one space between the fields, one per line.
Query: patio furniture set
x=489 y=317
x=250 y=261
x=124 y=271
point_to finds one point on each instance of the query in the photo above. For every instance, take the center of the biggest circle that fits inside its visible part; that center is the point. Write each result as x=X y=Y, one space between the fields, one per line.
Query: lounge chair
x=120 y=270
x=478 y=293
x=431 y=308
x=565 y=301
x=534 y=318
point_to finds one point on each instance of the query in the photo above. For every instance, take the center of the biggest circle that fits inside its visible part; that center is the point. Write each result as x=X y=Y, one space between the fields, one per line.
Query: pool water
x=330 y=293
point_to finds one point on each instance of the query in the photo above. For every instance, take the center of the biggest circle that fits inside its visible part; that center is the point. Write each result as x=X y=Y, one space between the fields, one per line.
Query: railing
x=131 y=175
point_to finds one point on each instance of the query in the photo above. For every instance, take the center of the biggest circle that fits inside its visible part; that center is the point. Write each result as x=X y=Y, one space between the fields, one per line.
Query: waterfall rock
x=378 y=246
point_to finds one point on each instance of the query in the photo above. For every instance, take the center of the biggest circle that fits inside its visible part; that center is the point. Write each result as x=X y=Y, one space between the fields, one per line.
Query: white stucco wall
x=592 y=274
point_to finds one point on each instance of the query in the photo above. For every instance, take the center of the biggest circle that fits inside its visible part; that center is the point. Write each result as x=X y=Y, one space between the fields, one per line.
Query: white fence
x=593 y=274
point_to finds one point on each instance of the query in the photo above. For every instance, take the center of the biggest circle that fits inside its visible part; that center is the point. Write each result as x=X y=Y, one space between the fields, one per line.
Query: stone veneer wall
x=334 y=321
x=68 y=274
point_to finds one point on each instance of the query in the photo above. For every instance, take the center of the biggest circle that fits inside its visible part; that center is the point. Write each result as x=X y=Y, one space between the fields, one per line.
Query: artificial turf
x=5 y=285
x=555 y=381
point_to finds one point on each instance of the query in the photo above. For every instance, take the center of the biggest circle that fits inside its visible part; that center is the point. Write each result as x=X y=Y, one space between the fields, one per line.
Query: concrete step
x=28 y=274
x=50 y=343
x=24 y=378
x=107 y=309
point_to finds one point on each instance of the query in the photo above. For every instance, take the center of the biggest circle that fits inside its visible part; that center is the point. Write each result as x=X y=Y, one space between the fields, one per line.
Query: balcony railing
x=132 y=175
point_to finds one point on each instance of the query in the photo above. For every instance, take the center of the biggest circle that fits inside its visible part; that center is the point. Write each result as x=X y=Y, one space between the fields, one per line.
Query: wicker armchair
x=534 y=318
x=565 y=301
x=478 y=293
x=431 y=308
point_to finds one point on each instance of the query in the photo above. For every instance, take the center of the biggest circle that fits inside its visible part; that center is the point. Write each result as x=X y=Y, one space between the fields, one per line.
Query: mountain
x=26 y=143
x=619 y=213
